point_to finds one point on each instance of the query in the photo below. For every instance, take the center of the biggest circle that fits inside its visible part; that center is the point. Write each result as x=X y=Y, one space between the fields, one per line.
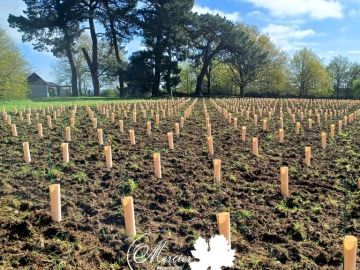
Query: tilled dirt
x=303 y=231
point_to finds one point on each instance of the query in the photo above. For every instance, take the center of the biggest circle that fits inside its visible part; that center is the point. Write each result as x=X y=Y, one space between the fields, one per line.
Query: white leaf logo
x=215 y=255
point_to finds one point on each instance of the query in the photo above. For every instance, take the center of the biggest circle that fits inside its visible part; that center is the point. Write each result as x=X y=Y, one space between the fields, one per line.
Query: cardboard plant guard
x=223 y=220
x=134 y=116
x=182 y=120
x=108 y=156
x=129 y=215
x=132 y=136
x=284 y=174
x=14 y=130
x=177 y=129
x=332 y=131
x=121 y=126
x=28 y=118
x=157 y=165
x=100 y=136
x=26 y=149
x=148 y=128
x=243 y=133
x=208 y=129
x=281 y=135
x=170 y=138
x=297 y=128
x=67 y=134
x=157 y=120
x=40 y=130
x=217 y=170
x=308 y=155
x=210 y=145
x=49 y=121
x=72 y=122
x=340 y=124
x=55 y=202
x=323 y=140
x=65 y=152
x=350 y=250
x=255 y=148
x=264 y=126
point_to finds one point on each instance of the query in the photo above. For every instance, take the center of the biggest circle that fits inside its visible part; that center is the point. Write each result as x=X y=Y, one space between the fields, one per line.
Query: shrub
x=110 y=93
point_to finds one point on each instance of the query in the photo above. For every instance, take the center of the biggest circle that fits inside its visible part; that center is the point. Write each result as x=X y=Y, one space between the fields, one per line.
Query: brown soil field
x=268 y=231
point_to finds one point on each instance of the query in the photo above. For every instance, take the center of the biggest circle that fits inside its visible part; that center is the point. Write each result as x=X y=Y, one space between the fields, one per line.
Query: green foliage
x=139 y=73
x=309 y=75
x=317 y=209
x=162 y=24
x=211 y=36
x=56 y=27
x=220 y=78
x=187 y=78
x=79 y=177
x=181 y=50
x=339 y=68
x=356 y=88
x=13 y=80
x=249 y=56
x=245 y=214
x=272 y=79
x=109 y=93
x=129 y=186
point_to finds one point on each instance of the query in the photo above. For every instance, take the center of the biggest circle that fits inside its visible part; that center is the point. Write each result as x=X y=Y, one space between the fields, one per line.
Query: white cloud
x=354 y=52
x=232 y=16
x=288 y=37
x=254 y=13
x=316 y=9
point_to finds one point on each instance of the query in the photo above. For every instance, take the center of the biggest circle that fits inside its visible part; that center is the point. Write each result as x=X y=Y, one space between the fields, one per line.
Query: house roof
x=51 y=84
x=35 y=79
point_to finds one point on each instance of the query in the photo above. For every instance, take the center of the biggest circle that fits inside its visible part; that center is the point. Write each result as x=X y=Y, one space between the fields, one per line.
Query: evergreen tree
x=118 y=19
x=248 y=58
x=163 y=27
x=210 y=35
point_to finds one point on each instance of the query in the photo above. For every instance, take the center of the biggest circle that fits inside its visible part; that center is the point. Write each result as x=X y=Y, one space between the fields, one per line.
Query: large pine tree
x=163 y=27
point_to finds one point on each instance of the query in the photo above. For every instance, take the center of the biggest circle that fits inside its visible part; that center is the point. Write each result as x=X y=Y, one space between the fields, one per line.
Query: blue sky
x=329 y=27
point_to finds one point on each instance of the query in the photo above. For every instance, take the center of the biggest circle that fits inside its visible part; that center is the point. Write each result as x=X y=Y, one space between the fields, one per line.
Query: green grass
x=80 y=177
x=184 y=210
x=129 y=186
x=57 y=101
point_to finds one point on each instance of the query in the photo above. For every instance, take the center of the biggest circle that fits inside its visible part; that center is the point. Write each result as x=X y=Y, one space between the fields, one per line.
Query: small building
x=40 y=88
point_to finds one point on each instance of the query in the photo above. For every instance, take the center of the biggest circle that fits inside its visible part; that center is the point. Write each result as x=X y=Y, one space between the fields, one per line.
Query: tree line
x=182 y=51
x=13 y=70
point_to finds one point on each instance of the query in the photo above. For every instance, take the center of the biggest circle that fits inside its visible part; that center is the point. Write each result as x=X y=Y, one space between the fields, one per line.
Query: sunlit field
x=80 y=181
